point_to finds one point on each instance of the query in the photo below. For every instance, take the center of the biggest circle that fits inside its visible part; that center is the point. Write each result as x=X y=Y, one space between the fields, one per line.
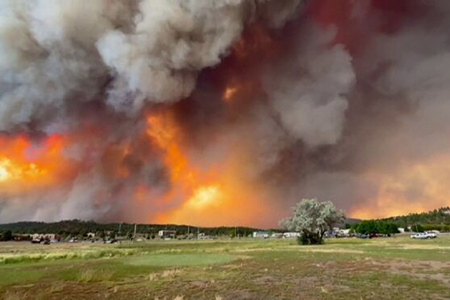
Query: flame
x=12 y=171
x=4 y=173
x=163 y=132
x=229 y=93
x=207 y=195
x=27 y=165
x=217 y=192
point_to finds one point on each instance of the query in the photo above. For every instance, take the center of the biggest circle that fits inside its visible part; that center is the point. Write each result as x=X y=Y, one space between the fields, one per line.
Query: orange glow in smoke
x=414 y=188
x=11 y=171
x=229 y=93
x=24 y=165
x=205 y=196
x=164 y=134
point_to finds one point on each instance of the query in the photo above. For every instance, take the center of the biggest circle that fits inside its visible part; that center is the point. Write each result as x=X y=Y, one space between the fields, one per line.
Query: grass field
x=390 y=268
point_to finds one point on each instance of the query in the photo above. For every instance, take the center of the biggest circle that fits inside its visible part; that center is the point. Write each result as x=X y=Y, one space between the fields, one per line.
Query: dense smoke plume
x=221 y=111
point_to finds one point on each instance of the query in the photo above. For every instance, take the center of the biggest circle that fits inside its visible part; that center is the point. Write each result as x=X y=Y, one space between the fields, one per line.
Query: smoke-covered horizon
x=216 y=112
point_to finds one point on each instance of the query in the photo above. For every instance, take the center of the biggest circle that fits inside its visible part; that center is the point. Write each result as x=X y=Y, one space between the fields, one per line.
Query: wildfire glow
x=229 y=93
x=190 y=181
x=26 y=165
x=10 y=171
x=414 y=188
x=205 y=196
x=163 y=132
x=209 y=195
x=4 y=170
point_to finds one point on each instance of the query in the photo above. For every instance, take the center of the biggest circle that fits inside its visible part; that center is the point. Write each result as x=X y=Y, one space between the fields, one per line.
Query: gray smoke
x=57 y=53
x=68 y=63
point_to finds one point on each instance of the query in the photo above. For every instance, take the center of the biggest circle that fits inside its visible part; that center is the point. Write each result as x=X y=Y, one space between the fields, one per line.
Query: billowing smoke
x=221 y=111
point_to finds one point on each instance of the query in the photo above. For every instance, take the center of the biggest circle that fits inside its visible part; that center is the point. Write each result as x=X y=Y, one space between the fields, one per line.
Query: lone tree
x=312 y=219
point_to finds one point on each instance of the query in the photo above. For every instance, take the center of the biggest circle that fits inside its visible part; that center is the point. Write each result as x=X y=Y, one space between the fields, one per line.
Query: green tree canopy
x=7 y=236
x=376 y=227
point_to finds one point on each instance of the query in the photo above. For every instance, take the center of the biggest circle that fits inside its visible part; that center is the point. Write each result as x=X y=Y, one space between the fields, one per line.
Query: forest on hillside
x=438 y=219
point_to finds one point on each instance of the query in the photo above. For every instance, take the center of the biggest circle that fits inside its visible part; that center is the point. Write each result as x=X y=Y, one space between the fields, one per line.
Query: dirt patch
x=422 y=247
x=319 y=250
x=424 y=270
x=303 y=249
x=264 y=280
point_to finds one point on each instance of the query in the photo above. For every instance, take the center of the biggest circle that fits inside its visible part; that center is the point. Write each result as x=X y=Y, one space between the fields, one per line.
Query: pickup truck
x=424 y=235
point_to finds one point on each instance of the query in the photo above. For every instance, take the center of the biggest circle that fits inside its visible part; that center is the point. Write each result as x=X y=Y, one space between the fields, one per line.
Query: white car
x=424 y=235
x=431 y=235
x=420 y=236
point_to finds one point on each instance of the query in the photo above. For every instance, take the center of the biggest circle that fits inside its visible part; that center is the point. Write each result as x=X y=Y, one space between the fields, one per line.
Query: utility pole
x=120 y=228
x=134 y=235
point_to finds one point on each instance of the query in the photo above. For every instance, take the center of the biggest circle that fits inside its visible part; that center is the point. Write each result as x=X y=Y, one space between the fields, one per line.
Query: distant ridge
x=432 y=217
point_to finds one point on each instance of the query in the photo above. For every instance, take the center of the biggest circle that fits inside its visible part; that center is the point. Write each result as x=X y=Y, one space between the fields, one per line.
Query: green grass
x=392 y=268
x=180 y=260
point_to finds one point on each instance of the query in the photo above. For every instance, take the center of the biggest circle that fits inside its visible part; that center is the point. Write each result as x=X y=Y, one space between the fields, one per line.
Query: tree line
x=82 y=228
x=375 y=227
x=312 y=219
x=438 y=217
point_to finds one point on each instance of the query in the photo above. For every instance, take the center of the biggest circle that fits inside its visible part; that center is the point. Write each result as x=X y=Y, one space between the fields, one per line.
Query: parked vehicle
x=362 y=236
x=431 y=235
x=424 y=236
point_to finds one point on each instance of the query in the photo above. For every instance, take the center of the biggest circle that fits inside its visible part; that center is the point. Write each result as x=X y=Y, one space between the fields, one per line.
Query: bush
x=305 y=239
x=7 y=236
x=376 y=227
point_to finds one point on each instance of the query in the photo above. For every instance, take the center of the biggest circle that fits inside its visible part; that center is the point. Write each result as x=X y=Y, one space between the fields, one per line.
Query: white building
x=261 y=234
x=41 y=237
x=288 y=235
x=167 y=234
x=277 y=235
x=343 y=233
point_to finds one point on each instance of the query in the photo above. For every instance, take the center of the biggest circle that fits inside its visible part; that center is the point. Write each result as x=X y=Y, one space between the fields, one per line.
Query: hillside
x=434 y=218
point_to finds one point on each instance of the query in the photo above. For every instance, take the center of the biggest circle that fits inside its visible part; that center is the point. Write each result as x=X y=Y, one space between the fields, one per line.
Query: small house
x=167 y=234
x=261 y=234
x=288 y=235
